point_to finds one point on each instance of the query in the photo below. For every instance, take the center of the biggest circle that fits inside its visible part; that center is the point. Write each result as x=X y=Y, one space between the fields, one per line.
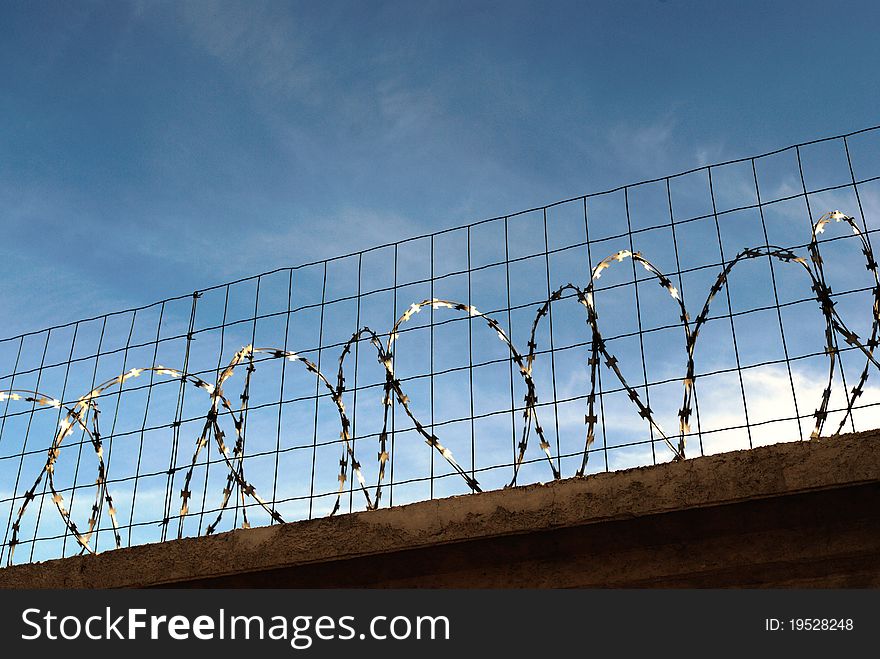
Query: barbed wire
x=84 y=414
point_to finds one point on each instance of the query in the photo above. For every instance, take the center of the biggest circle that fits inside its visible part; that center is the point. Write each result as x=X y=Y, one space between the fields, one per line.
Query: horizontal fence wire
x=722 y=308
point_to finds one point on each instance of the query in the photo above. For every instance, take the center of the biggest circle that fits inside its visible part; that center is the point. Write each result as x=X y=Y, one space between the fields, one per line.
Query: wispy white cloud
x=769 y=399
x=263 y=46
x=706 y=154
x=324 y=237
x=643 y=147
x=654 y=148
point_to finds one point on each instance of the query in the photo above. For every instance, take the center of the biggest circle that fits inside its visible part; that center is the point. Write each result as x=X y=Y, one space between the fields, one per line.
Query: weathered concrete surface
x=801 y=514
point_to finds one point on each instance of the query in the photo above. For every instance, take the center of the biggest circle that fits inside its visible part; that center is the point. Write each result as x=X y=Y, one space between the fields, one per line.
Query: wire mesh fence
x=718 y=309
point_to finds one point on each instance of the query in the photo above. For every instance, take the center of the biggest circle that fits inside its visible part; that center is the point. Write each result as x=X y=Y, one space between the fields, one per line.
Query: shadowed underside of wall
x=801 y=514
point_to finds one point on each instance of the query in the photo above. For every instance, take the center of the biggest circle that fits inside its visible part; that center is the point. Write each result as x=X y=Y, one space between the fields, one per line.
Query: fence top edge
x=461 y=227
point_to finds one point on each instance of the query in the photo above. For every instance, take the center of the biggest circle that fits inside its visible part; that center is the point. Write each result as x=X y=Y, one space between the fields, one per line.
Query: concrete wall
x=801 y=514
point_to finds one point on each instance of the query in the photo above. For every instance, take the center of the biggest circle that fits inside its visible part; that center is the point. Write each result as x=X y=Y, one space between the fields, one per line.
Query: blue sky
x=151 y=149
x=179 y=145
